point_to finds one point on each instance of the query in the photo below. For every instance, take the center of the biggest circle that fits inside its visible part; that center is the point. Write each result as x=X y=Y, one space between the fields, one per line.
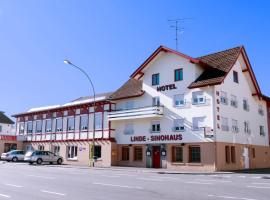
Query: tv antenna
x=176 y=25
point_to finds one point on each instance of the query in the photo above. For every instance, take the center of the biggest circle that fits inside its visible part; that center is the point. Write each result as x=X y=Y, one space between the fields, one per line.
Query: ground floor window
x=138 y=154
x=41 y=147
x=233 y=159
x=9 y=147
x=177 y=154
x=194 y=154
x=227 y=154
x=97 y=152
x=56 y=150
x=72 y=152
x=125 y=153
x=253 y=153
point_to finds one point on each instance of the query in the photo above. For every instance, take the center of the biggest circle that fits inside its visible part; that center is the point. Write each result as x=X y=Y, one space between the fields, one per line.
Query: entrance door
x=246 y=158
x=156 y=156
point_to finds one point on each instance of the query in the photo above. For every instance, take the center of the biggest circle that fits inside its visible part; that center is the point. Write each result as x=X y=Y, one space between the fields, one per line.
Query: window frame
x=72 y=150
x=125 y=154
x=155 y=79
x=180 y=75
x=68 y=125
x=235 y=77
x=138 y=157
x=174 y=154
x=191 y=154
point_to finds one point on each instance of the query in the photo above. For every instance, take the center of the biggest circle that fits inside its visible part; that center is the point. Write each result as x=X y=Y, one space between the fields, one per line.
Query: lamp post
x=92 y=156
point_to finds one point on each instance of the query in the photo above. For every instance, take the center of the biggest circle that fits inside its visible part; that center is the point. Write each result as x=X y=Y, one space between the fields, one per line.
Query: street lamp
x=94 y=105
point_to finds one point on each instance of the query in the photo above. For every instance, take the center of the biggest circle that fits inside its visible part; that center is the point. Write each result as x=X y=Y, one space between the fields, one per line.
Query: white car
x=42 y=156
x=14 y=156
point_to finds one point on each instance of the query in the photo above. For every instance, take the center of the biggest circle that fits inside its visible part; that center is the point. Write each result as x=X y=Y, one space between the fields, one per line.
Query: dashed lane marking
x=4 y=195
x=44 y=177
x=12 y=185
x=200 y=183
x=55 y=193
x=149 y=179
x=216 y=181
x=121 y=186
x=258 y=187
x=229 y=197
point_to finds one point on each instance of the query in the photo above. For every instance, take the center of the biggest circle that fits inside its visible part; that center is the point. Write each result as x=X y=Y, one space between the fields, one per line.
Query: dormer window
x=235 y=77
x=178 y=75
x=155 y=79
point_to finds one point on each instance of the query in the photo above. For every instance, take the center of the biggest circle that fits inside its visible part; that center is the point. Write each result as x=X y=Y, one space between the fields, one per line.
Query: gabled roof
x=156 y=52
x=132 y=88
x=4 y=119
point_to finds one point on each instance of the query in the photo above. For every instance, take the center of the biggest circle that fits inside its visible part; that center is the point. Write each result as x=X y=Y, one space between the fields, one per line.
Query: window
x=246 y=127
x=48 y=125
x=97 y=152
x=178 y=75
x=260 y=110
x=21 y=128
x=179 y=100
x=198 y=123
x=235 y=77
x=125 y=153
x=245 y=105
x=129 y=105
x=38 y=126
x=224 y=124
x=194 y=154
x=41 y=147
x=235 y=128
x=56 y=150
x=234 y=101
x=138 y=154
x=98 y=121
x=59 y=125
x=70 y=124
x=1 y=128
x=227 y=154
x=233 y=155
x=178 y=125
x=72 y=152
x=177 y=154
x=129 y=129
x=198 y=98
x=155 y=79
x=155 y=101
x=30 y=127
x=155 y=127
x=84 y=122
x=223 y=98
x=262 y=133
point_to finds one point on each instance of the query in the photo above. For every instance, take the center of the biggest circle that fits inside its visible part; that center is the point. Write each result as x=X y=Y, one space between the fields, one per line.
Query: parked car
x=14 y=156
x=40 y=157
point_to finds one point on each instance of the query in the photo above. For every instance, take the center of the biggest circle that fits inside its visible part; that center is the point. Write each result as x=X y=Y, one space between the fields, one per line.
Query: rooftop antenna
x=176 y=25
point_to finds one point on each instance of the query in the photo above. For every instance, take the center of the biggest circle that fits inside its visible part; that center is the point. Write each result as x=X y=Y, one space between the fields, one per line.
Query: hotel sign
x=166 y=87
x=157 y=138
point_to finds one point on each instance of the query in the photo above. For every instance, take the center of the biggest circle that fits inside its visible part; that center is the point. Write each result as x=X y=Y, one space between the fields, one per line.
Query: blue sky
x=110 y=39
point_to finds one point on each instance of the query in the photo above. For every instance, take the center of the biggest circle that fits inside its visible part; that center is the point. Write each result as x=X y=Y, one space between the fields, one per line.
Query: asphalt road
x=24 y=182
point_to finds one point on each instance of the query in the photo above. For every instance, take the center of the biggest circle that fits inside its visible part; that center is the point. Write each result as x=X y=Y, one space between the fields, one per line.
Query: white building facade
x=174 y=112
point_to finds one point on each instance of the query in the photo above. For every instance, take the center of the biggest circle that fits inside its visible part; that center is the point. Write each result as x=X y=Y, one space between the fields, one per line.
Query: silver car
x=14 y=156
x=40 y=157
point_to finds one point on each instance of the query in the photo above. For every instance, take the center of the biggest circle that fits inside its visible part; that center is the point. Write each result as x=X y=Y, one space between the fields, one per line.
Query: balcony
x=136 y=113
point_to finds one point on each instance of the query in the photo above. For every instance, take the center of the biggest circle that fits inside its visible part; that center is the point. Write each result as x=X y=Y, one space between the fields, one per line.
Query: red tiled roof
x=132 y=88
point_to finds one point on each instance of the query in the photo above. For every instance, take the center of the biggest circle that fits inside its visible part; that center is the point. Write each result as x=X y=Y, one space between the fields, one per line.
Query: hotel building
x=175 y=112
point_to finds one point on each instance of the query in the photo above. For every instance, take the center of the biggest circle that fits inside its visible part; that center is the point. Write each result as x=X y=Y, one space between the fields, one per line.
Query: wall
x=7 y=129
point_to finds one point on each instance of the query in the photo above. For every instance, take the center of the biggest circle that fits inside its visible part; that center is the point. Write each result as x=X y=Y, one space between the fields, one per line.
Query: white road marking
x=261 y=183
x=126 y=175
x=45 y=177
x=121 y=186
x=229 y=197
x=149 y=179
x=218 y=181
x=241 y=176
x=50 y=192
x=158 y=177
x=256 y=177
x=200 y=183
x=4 y=195
x=12 y=185
x=110 y=176
x=258 y=187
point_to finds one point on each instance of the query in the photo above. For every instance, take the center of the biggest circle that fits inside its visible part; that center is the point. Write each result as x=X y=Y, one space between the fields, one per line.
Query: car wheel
x=59 y=161
x=39 y=161
x=14 y=159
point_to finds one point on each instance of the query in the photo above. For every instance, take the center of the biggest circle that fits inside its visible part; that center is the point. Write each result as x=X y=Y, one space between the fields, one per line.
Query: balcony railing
x=136 y=113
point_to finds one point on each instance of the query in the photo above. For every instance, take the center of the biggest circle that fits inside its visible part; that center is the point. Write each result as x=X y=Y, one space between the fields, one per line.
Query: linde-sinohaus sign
x=156 y=138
